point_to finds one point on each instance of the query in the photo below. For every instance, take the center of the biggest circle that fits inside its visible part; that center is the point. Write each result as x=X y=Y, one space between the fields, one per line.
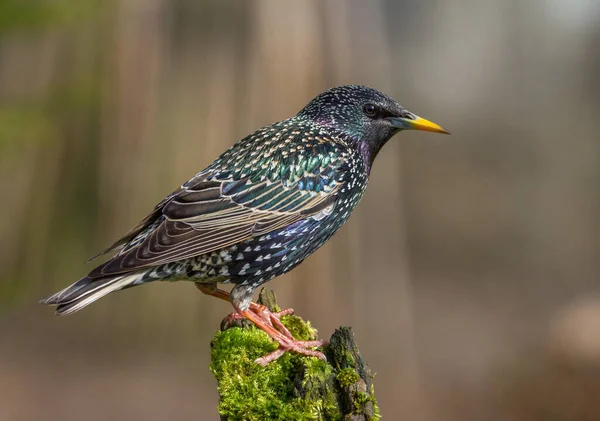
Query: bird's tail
x=87 y=290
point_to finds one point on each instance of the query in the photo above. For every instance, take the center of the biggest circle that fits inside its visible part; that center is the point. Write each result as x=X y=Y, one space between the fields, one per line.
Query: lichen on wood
x=294 y=387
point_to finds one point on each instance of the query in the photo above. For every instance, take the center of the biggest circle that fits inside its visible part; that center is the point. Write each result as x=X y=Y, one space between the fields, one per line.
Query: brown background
x=469 y=272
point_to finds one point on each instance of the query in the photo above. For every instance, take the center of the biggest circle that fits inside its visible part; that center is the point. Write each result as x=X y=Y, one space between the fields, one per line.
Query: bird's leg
x=273 y=318
x=212 y=290
x=285 y=343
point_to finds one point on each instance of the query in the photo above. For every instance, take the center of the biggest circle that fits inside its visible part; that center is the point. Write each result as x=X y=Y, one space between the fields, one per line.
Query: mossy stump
x=293 y=387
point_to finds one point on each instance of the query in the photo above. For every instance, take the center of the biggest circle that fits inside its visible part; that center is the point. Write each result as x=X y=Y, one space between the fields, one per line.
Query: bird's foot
x=273 y=318
x=298 y=347
x=269 y=322
x=270 y=317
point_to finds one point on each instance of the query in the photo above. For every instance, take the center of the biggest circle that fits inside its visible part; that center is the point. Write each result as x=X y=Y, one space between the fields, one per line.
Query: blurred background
x=469 y=272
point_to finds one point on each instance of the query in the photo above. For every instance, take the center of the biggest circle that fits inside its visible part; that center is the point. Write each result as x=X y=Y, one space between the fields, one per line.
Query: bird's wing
x=143 y=225
x=222 y=206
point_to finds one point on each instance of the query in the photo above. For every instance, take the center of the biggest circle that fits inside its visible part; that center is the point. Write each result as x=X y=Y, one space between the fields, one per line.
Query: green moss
x=344 y=358
x=292 y=388
x=300 y=329
x=361 y=400
x=347 y=377
x=317 y=387
x=375 y=406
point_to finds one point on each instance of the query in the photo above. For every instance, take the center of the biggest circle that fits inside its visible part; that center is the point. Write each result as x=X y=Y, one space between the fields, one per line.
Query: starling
x=259 y=210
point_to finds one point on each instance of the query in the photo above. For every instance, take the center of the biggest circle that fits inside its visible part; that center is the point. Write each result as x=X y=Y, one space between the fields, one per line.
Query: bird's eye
x=370 y=110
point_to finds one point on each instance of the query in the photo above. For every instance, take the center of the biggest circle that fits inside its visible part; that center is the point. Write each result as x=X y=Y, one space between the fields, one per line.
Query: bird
x=259 y=210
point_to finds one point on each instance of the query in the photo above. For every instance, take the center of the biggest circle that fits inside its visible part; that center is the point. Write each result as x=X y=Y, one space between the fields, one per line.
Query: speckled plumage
x=259 y=209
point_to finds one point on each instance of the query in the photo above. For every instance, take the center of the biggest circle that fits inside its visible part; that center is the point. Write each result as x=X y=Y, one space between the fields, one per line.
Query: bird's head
x=365 y=116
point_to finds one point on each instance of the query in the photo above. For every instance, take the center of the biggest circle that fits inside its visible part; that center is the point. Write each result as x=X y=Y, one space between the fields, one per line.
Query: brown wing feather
x=139 y=228
x=201 y=218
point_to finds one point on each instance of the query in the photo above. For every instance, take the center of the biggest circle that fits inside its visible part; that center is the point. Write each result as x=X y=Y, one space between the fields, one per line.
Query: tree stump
x=293 y=387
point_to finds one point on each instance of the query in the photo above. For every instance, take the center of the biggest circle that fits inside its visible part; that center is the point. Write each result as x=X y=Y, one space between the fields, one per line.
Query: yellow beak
x=417 y=123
